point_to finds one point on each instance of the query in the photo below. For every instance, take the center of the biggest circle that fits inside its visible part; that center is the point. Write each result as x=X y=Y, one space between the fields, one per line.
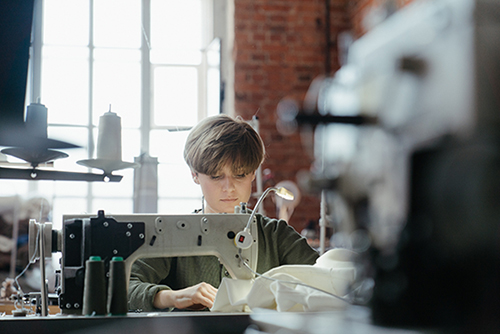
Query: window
x=153 y=62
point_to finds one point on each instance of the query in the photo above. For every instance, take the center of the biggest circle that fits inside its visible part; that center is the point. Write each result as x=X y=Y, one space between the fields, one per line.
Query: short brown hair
x=221 y=139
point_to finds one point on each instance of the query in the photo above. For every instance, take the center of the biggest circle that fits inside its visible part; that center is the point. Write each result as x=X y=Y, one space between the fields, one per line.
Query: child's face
x=225 y=190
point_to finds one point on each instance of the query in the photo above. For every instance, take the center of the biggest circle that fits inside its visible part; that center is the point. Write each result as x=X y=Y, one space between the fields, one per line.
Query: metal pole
x=43 y=290
x=258 y=172
x=322 y=223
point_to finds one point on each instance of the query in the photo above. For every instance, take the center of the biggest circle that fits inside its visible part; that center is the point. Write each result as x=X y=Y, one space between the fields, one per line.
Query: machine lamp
x=243 y=239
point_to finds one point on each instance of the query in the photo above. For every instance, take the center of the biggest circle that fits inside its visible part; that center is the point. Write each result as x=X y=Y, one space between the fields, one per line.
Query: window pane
x=175 y=57
x=176 y=181
x=175 y=96
x=117 y=23
x=111 y=206
x=65 y=206
x=74 y=135
x=65 y=90
x=179 y=206
x=50 y=189
x=168 y=146
x=46 y=188
x=66 y=22
x=176 y=24
x=13 y=187
x=213 y=92
x=213 y=53
x=117 y=55
x=70 y=188
x=131 y=144
x=117 y=82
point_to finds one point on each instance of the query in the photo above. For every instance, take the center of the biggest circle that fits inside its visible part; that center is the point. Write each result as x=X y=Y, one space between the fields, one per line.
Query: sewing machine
x=138 y=236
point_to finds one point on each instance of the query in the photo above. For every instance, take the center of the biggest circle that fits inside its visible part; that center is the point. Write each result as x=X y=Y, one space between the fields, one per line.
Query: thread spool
x=36 y=120
x=94 y=288
x=109 y=138
x=109 y=146
x=117 y=290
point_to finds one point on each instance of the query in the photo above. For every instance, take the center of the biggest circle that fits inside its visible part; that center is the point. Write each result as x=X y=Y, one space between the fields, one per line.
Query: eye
x=241 y=176
x=216 y=177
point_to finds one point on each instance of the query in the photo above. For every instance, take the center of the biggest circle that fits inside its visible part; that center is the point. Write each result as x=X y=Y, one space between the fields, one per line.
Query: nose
x=228 y=184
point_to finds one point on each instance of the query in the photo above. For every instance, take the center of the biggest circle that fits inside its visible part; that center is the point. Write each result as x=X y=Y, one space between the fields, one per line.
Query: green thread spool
x=94 y=288
x=117 y=291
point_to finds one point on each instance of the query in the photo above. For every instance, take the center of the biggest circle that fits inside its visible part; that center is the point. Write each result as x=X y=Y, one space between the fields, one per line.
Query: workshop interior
x=381 y=121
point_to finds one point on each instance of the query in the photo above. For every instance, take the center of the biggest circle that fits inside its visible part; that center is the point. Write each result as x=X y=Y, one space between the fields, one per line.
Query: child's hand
x=195 y=297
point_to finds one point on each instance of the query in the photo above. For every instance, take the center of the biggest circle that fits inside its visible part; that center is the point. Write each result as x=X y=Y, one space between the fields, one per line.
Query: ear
x=253 y=176
x=195 y=177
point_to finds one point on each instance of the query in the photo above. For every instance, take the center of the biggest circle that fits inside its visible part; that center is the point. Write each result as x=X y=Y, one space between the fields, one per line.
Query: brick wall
x=280 y=47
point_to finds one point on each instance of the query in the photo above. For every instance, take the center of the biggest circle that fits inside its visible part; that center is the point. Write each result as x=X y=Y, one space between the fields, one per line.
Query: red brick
x=281 y=48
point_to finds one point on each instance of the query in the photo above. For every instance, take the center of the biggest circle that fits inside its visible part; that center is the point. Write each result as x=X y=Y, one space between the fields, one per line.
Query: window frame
x=34 y=86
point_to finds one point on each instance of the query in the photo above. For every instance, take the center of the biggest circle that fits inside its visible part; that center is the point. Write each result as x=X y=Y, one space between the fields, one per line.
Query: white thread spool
x=36 y=120
x=109 y=138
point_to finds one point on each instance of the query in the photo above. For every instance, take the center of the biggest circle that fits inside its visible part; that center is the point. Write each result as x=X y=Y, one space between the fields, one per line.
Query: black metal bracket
x=39 y=174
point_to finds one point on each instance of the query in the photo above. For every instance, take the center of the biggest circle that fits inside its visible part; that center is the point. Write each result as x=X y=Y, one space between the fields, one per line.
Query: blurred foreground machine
x=407 y=150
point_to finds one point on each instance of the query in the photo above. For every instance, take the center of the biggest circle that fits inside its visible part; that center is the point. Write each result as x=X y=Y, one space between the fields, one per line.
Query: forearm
x=164 y=299
x=144 y=283
x=141 y=295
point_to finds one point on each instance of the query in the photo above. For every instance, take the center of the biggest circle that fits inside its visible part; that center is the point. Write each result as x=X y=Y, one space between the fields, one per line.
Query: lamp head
x=284 y=193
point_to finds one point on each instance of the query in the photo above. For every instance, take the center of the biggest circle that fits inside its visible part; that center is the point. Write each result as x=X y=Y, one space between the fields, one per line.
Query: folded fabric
x=292 y=288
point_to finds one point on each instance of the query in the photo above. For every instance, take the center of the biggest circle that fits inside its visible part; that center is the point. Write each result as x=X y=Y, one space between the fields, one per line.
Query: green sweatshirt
x=278 y=243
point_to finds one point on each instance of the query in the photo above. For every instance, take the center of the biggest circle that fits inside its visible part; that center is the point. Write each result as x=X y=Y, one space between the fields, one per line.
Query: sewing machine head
x=138 y=236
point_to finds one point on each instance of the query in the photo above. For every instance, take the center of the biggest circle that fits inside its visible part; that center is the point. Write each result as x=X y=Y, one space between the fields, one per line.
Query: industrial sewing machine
x=138 y=236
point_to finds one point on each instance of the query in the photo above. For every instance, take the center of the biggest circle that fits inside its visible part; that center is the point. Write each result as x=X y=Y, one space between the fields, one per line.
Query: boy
x=223 y=154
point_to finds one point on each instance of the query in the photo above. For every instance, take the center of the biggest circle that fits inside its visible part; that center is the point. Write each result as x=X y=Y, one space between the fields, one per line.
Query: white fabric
x=333 y=272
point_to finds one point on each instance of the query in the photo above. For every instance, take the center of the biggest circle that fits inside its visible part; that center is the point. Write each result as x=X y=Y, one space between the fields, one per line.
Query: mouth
x=228 y=200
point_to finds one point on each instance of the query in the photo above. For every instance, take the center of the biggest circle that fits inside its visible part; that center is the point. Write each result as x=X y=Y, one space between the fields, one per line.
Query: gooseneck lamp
x=243 y=239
